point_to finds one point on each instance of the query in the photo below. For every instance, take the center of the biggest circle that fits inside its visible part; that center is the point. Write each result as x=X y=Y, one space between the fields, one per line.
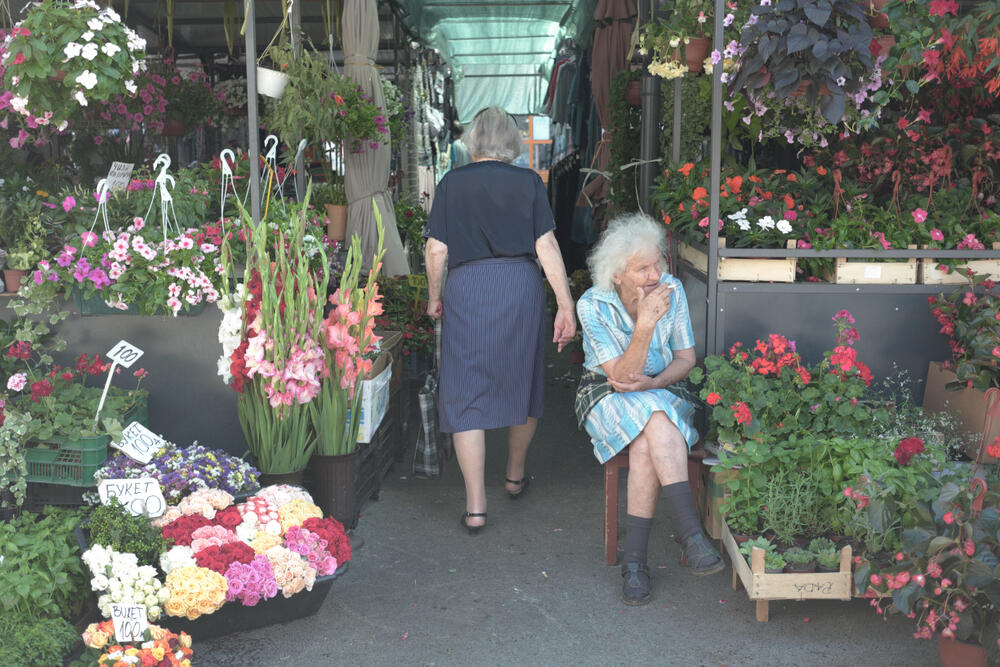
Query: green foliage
x=799 y=556
x=404 y=310
x=970 y=321
x=42 y=574
x=822 y=545
x=410 y=220
x=696 y=117
x=13 y=467
x=792 y=505
x=29 y=641
x=774 y=561
x=760 y=542
x=828 y=559
x=624 y=147
x=114 y=526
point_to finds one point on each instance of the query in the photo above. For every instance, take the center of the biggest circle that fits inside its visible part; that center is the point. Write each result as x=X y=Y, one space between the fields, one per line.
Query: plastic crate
x=41 y=495
x=72 y=463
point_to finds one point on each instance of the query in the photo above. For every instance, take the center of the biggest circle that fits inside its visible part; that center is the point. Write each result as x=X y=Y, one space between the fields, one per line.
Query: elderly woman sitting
x=638 y=342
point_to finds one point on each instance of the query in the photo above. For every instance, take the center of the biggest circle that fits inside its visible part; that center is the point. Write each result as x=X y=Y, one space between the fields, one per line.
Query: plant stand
x=777 y=270
x=847 y=272
x=762 y=587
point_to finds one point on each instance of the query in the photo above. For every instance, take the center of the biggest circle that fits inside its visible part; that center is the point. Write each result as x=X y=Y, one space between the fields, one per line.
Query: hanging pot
x=336 y=484
x=633 y=93
x=336 y=222
x=876 y=19
x=12 y=279
x=270 y=478
x=955 y=653
x=695 y=52
x=174 y=128
x=271 y=82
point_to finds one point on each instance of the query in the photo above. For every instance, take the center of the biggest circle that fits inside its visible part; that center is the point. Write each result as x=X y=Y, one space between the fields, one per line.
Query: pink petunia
x=919 y=215
x=937 y=235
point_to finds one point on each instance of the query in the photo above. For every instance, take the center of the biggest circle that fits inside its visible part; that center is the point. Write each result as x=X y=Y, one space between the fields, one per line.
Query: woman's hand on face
x=654 y=305
x=435 y=308
x=564 y=327
x=637 y=382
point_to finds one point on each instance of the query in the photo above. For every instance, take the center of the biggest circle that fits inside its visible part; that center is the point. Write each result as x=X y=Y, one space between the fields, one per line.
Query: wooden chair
x=611 y=470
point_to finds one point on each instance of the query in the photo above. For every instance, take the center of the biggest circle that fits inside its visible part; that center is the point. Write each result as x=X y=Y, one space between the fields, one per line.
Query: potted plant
x=25 y=250
x=774 y=562
x=968 y=319
x=944 y=573
x=190 y=99
x=805 y=67
x=827 y=554
x=64 y=56
x=799 y=560
x=333 y=198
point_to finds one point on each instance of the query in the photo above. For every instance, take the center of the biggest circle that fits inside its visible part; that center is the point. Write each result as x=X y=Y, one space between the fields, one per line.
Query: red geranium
x=20 y=350
x=40 y=390
x=907 y=449
x=742 y=413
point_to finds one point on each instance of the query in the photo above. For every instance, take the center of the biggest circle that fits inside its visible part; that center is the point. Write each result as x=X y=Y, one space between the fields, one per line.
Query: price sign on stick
x=119 y=175
x=138 y=442
x=130 y=622
x=141 y=497
x=124 y=354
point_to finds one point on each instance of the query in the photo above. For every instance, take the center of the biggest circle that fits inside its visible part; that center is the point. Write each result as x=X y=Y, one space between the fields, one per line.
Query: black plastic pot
x=335 y=483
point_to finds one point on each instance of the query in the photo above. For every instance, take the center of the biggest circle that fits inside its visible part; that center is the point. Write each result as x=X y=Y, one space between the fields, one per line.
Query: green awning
x=500 y=53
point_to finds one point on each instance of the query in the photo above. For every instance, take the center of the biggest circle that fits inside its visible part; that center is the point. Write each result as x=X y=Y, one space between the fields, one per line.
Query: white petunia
x=784 y=226
x=72 y=50
x=767 y=222
x=95 y=24
x=81 y=99
x=743 y=224
x=111 y=14
x=89 y=51
x=87 y=79
x=131 y=87
x=110 y=49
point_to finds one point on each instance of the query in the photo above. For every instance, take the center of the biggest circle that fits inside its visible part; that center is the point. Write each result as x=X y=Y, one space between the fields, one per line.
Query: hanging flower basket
x=271 y=82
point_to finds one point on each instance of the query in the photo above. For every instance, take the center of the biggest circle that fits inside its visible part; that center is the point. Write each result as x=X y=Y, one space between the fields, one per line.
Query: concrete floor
x=532 y=588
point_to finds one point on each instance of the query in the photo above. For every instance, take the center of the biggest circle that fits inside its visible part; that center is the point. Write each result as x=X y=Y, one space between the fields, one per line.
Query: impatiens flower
x=87 y=79
x=89 y=239
x=937 y=235
x=919 y=215
x=948 y=518
x=68 y=203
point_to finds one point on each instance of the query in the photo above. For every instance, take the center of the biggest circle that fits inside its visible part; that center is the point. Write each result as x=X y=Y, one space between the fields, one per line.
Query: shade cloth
x=366 y=174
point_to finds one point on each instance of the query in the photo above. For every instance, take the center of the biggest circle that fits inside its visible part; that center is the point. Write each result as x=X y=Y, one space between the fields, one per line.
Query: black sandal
x=635 y=587
x=523 y=483
x=699 y=554
x=472 y=529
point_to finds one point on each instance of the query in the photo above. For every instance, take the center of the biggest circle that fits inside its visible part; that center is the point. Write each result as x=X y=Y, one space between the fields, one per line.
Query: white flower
x=87 y=36
x=110 y=49
x=767 y=222
x=89 y=51
x=131 y=87
x=72 y=50
x=111 y=14
x=95 y=24
x=784 y=226
x=743 y=224
x=80 y=98
x=87 y=79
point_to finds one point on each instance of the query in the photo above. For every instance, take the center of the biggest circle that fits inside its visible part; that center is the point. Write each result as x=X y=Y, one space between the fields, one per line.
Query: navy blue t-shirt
x=489 y=209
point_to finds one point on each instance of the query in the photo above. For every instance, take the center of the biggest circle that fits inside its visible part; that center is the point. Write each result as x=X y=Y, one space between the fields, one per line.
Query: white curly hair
x=625 y=236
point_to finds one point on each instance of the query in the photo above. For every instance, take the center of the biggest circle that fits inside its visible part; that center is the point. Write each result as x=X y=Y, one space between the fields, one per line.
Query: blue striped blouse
x=607 y=329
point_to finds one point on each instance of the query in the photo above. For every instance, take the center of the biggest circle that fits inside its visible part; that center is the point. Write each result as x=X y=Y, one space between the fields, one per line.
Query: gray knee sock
x=678 y=497
x=636 y=538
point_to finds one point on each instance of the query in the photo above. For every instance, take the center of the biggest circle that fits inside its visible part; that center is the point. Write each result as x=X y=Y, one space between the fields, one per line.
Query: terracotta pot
x=60 y=75
x=740 y=539
x=804 y=88
x=174 y=128
x=633 y=93
x=576 y=357
x=695 y=52
x=336 y=222
x=12 y=279
x=876 y=19
x=955 y=653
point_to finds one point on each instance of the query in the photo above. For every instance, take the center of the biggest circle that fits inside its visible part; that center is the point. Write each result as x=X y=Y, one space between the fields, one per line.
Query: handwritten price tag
x=119 y=175
x=138 y=442
x=141 y=497
x=124 y=354
x=130 y=622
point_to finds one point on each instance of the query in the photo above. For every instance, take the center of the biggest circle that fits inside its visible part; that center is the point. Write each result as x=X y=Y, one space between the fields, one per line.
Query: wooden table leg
x=762 y=610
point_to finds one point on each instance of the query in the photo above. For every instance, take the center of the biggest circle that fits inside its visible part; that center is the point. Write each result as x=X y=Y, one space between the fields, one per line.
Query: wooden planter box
x=743 y=269
x=929 y=274
x=967 y=405
x=715 y=493
x=763 y=587
x=847 y=272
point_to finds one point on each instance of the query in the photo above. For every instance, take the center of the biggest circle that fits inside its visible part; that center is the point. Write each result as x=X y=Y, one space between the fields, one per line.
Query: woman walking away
x=489 y=223
x=637 y=342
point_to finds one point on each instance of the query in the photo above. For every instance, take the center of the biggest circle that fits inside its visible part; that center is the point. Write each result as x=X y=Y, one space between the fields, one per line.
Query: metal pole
x=714 y=339
x=649 y=131
x=675 y=143
x=253 y=122
x=295 y=19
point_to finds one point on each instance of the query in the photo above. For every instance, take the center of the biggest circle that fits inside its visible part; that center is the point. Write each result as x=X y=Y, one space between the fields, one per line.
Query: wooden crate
x=929 y=274
x=715 y=491
x=763 y=587
x=847 y=272
x=743 y=269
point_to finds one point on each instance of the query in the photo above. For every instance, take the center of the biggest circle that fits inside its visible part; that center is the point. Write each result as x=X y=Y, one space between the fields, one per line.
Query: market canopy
x=500 y=53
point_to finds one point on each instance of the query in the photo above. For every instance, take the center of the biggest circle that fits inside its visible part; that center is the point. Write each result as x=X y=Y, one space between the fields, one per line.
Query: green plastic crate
x=72 y=462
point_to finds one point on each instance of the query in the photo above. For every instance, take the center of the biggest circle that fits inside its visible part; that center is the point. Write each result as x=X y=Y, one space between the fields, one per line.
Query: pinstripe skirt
x=492 y=345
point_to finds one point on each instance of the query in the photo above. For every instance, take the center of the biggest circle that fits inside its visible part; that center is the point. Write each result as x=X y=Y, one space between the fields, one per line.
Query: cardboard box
x=715 y=492
x=967 y=405
x=375 y=398
x=391 y=344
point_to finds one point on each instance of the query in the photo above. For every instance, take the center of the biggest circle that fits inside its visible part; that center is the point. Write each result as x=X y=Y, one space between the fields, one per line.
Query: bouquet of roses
x=160 y=647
